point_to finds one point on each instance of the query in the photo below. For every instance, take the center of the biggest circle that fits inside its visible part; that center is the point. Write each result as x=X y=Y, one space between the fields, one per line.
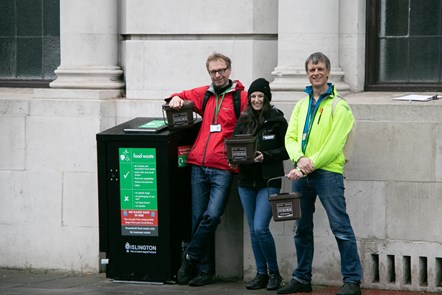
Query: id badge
x=215 y=128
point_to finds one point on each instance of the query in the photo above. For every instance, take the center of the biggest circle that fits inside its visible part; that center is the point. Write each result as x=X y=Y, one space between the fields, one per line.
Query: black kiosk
x=144 y=198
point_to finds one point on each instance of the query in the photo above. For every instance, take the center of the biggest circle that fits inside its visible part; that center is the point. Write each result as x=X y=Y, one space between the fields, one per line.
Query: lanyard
x=218 y=107
x=311 y=113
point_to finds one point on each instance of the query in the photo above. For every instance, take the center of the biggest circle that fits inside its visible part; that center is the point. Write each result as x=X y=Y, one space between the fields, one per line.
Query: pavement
x=19 y=282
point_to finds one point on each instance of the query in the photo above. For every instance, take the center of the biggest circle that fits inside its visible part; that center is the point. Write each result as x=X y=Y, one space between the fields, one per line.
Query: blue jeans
x=210 y=192
x=329 y=187
x=258 y=213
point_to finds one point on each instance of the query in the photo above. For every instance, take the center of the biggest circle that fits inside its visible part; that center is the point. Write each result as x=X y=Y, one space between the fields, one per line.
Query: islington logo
x=140 y=249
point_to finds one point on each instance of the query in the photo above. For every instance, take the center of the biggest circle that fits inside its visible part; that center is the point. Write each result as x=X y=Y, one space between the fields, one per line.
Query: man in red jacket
x=211 y=176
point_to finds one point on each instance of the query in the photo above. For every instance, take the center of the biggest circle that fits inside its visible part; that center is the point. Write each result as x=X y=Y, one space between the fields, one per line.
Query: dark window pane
x=51 y=18
x=29 y=18
x=393 y=65
x=29 y=58
x=425 y=17
x=7 y=18
x=394 y=18
x=7 y=58
x=51 y=57
x=404 y=45
x=29 y=39
x=425 y=60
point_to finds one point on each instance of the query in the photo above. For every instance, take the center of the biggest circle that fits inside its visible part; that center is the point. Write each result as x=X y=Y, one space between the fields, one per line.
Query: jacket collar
x=330 y=91
x=233 y=85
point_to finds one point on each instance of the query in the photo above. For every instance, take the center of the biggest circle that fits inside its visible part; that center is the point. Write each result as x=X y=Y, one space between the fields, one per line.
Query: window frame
x=46 y=22
x=372 y=57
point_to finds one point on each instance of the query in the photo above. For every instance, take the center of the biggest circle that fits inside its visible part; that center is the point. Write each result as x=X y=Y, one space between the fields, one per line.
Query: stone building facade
x=120 y=59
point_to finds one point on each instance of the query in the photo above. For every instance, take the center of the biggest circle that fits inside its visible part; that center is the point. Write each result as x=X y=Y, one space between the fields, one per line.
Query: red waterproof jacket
x=208 y=149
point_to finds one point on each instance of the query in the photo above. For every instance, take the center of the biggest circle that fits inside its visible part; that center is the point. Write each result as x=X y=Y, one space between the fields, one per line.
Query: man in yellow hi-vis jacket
x=315 y=141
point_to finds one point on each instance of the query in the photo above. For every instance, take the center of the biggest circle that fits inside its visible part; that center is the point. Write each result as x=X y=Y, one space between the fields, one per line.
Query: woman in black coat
x=268 y=124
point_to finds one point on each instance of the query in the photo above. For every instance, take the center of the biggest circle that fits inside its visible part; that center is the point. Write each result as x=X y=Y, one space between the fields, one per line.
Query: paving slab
x=19 y=282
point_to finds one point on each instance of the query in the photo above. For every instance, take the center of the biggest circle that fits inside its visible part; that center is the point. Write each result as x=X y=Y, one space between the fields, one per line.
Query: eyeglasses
x=220 y=71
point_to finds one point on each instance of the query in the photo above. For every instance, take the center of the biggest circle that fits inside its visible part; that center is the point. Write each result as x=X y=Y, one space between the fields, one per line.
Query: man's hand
x=294 y=174
x=305 y=165
x=176 y=103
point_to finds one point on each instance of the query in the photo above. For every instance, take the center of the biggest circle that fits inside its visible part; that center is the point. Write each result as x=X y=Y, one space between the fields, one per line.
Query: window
x=404 y=45
x=29 y=42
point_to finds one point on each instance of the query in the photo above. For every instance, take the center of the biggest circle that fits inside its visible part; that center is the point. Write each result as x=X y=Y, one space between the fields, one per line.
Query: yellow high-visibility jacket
x=328 y=134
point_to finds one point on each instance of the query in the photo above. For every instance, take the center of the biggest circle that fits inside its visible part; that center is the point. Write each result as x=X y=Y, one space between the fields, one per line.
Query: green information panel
x=138 y=192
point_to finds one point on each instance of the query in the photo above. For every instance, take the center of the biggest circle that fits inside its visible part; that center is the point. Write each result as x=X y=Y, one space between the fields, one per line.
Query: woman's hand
x=259 y=157
x=233 y=166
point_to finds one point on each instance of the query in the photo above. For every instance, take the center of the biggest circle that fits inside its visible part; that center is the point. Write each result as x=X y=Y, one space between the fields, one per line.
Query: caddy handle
x=271 y=179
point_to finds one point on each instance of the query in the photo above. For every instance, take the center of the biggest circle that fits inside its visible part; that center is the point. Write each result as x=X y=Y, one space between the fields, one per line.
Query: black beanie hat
x=262 y=85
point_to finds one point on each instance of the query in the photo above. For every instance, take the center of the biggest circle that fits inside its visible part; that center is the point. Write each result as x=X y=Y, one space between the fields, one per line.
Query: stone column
x=89 y=45
x=306 y=27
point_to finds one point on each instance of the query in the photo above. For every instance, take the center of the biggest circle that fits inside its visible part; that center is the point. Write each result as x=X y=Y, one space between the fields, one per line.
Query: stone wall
x=48 y=181
x=48 y=185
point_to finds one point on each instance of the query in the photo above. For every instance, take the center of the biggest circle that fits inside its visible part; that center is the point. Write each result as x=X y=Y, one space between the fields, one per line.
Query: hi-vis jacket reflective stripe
x=328 y=134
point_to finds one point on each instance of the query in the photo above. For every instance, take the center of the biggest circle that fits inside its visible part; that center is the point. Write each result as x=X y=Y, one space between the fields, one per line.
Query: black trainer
x=259 y=282
x=275 y=280
x=295 y=287
x=201 y=279
x=185 y=273
x=350 y=289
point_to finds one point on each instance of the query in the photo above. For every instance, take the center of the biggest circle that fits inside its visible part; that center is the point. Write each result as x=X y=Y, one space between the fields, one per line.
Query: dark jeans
x=210 y=193
x=329 y=187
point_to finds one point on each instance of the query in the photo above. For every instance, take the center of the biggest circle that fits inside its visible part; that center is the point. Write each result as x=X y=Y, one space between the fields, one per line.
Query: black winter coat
x=270 y=141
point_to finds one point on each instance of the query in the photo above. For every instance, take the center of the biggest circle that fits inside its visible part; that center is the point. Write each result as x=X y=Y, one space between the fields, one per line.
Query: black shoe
x=185 y=273
x=201 y=279
x=350 y=289
x=295 y=287
x=274 y=281
x=259 y=282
